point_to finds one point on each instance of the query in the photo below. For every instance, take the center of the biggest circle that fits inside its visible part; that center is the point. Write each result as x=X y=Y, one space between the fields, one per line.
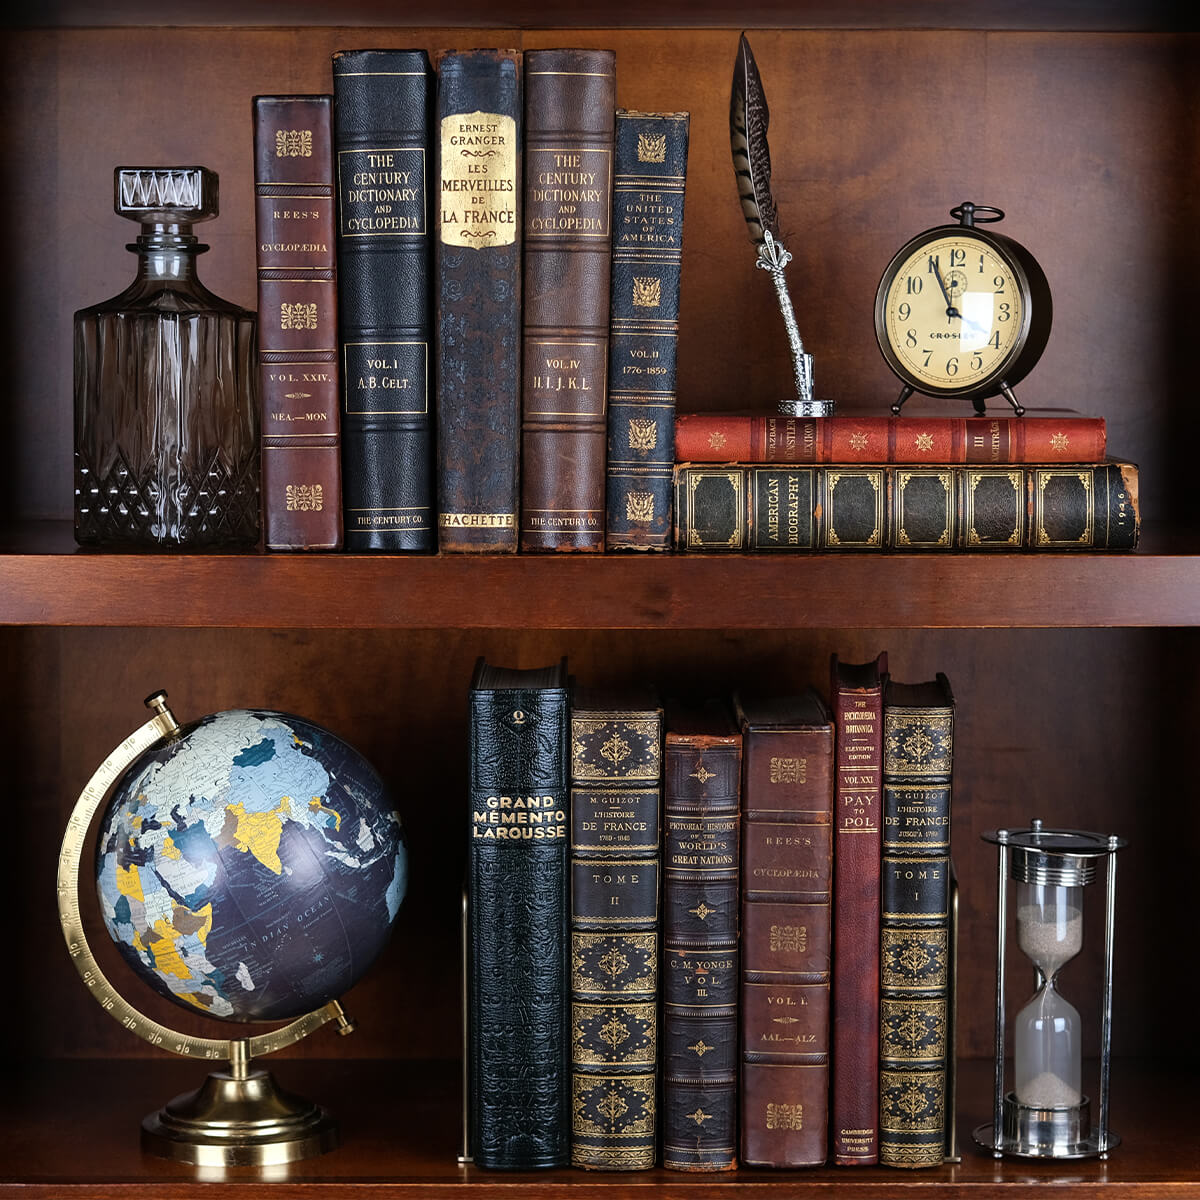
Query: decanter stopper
x=167 y=201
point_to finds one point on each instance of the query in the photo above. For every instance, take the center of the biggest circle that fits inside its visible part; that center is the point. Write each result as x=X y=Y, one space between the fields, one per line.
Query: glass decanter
x=166 y=404
x=1047 y=1057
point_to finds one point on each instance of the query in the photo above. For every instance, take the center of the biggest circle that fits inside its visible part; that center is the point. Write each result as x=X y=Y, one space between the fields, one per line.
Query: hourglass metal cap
x=1056 y=857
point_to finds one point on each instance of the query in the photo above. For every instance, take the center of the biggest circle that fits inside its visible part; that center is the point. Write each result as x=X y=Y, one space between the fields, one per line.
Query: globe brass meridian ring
x=158 y=728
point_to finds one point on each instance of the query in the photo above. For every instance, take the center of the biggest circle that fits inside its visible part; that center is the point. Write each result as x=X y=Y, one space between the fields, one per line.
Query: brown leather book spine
x=856 y=690
x=297 y=322
x=787 y=811
x=701 y=789
x=570 y=107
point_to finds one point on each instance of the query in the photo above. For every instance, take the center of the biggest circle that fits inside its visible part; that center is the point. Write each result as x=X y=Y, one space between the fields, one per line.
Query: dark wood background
x=1087 y=139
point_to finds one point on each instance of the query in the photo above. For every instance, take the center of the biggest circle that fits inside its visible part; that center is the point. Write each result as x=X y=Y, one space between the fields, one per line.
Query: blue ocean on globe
x=251 y=869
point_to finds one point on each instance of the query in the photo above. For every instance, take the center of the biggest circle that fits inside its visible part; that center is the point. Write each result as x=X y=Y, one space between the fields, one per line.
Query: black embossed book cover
x=918 y=758
x=382 y=103
x=616 y=793
x=649 y=174
x=517 y=848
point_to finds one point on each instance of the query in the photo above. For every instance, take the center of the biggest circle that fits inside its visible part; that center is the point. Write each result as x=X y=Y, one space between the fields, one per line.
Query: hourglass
x=1046 y=1115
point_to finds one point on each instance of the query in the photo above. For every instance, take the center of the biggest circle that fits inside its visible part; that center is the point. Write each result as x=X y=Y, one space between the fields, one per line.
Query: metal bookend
x=464 y=1154
x=953 y=1155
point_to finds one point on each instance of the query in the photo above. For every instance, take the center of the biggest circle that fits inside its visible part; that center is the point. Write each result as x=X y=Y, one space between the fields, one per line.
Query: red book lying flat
x=1048 y=435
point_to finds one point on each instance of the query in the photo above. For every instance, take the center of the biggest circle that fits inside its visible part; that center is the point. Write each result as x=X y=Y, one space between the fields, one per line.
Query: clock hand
x=951 y=311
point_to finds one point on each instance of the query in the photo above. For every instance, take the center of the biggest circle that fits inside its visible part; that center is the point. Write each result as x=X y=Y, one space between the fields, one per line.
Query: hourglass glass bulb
x=1047 y=1052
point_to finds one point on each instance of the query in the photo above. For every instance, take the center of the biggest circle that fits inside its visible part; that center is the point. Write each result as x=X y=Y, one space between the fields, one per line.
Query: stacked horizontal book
x=851 y=506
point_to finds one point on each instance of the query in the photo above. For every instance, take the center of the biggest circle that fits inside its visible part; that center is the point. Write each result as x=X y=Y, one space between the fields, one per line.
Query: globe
x=251 y=868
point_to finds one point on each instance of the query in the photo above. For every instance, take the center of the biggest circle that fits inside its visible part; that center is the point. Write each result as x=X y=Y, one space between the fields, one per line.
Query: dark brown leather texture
x=570 y=107
x=701 y=787
x=856 y=691
x=787 y=814
x=295 y=255
x=477 y=139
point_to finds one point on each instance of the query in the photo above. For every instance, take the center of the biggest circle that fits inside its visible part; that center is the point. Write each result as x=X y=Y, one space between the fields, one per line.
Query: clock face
x=953 y=314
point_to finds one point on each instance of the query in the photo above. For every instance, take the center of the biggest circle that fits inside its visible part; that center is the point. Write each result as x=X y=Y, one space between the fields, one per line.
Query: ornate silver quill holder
x=748 y=120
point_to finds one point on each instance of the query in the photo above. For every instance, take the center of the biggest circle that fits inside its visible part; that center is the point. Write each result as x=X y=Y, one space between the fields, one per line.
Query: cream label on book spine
x=477 y=191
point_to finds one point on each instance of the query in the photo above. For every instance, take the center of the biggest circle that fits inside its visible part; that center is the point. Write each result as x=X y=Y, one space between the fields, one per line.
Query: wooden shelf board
x=45 y=581
x=70 y=1132
x=494 y=14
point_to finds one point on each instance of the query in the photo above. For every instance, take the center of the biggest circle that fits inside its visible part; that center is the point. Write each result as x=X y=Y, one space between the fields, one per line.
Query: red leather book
x=856 y=692
x=920 y=436
x=297 y=322
x=787 y=813
x=570 y=107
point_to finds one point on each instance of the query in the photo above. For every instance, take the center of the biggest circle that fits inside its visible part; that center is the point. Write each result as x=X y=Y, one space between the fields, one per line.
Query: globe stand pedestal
x=235 y=1122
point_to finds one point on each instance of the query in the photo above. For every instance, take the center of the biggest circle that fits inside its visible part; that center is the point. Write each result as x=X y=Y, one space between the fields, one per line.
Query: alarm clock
x=962 y=312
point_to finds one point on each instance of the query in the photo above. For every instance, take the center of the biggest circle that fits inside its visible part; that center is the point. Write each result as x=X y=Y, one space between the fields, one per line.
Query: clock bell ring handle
x=968 y=214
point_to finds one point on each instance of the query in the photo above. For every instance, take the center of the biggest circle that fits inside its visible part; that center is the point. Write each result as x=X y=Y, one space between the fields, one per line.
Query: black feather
x=748 y=121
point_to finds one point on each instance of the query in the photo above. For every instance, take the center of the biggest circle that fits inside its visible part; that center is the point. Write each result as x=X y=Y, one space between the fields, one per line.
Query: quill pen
x=748 y=121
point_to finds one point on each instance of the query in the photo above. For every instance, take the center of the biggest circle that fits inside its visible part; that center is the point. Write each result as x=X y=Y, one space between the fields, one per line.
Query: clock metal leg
x=905 y=392
x=1007 y=393
x=980 y=406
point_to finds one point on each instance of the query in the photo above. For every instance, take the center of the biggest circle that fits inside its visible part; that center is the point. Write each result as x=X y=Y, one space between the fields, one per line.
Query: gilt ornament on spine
x=748 y=121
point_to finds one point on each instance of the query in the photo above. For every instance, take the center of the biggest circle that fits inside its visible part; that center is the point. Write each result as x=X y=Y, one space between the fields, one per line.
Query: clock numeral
x=1005 y=312
x=910 y=338
x=915 y=283
x=998 y=284
x=981 y=264
x=976 y=361
x=958 y=258
x=994 y=340
x=952 y=365
x=935 y=266
x=928 y=354
x=905 y=311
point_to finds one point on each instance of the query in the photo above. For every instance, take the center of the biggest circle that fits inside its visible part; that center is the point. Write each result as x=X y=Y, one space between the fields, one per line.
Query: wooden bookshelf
x=1074 y=674
x=398 y=1130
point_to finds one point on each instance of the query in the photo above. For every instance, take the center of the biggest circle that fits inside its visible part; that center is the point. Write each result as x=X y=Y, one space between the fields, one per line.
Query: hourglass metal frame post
x=1062 y=858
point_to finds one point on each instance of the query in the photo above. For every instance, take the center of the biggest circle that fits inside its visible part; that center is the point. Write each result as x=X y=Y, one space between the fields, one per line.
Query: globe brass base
x=235 y=1122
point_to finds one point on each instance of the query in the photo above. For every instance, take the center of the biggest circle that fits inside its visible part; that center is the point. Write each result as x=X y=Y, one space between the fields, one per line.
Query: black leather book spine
x=759 y=507
x=477 y=221
x=382 y=106
x=701 y=792
x=649 y=174
x=914 y=1017
x=616 y=770
x=518 y=921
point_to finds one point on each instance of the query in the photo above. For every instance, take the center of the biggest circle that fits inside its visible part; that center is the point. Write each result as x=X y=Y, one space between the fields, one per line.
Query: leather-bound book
x=518 y=918
x=616 y=794
x=787 y=509
x=701 y=789
x=570 y=102
x=856 y=695
x=787 y=878
x=477 y=133
x=383 y=102
x=925 y=435
x=297 y=322
x=647 y=245
x=915 y=952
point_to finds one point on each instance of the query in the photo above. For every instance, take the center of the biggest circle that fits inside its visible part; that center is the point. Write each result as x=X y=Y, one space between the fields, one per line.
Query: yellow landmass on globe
x=259 y=833
x=167 y=959
x=129 y=883
x=169 y=849
x=316 y=806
